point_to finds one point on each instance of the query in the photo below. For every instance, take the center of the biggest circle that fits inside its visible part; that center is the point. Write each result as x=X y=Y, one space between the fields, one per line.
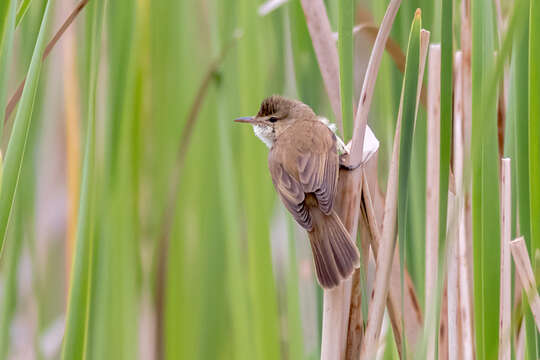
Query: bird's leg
x=344 y=158
x=345 y=164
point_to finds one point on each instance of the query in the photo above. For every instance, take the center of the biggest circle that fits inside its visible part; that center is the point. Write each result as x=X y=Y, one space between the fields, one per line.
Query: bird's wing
x=318 y=164
x=289 y=190
x=304 y=165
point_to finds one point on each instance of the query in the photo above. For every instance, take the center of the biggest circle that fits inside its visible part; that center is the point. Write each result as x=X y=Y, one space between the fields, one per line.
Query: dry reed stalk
x=455 y=342
x=370 y=31
x=454 y=345
x=412 y=319
x=326 y=52
x=432 y=184
x=366 y=95
x=384 y=258
x=388 y=238
x=526 y=276
x=464 y=287
x=73 y=147
x=520 y=342
x=466 y=46
x=505 y=312
x=269 y=6
x=443 y=324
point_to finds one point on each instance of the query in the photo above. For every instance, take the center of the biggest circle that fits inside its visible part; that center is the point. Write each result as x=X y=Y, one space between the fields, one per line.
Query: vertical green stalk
x=7 y=28
x=409 y=112
x=78 y=318
x=485 y=184
x=17 y=141
x=517 y=147
x=447 y=55
x=257 y=191
x=346 y=75
x=534 y=145
x=8 y=302
x=534 y=127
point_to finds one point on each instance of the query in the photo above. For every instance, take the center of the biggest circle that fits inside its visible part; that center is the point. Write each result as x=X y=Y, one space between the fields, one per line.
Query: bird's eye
x=273 y=119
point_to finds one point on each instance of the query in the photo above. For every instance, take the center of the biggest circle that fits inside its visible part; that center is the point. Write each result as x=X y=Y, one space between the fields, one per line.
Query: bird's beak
x=245 y=119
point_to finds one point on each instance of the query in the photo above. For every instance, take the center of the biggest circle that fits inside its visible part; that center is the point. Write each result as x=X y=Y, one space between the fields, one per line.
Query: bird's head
x=275 y=115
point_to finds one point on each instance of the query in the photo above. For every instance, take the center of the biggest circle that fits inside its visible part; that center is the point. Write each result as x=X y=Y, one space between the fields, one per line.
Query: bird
x=304 y=162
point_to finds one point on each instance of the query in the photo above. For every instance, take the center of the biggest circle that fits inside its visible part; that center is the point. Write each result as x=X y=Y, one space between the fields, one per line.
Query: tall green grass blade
x=76 y=337
x=517 y=147
x=258 y=194
x=534 y=128
x=236 y=280
x=116 y=321
x=8 y=303
x=409 y=94
x=7 y=28
x=346 y=74
x=447 y=56
x=534 y=142
x=17 y=143
x=485 y=184
x=21 y=11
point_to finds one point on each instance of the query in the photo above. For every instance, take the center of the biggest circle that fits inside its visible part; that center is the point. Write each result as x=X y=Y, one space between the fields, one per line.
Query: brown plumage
x=304 y=165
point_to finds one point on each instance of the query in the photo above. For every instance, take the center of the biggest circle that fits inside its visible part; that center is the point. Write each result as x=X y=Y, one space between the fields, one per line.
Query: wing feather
x=314 y=171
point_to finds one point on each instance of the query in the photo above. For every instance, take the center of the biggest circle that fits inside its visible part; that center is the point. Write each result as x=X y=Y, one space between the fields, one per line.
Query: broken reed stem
x=505 y=311
x=432 y=183
x=18 y=93
x=326 y=52
x=526 y=276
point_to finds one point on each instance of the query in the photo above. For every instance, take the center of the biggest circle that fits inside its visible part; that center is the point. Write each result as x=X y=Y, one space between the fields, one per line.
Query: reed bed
x=137 y=221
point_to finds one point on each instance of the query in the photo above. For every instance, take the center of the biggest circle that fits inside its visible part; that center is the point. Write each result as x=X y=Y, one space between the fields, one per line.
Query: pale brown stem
x=412 y=319
x=384 y=258
x=506 y=269
x=432 y=185
x=366 y=95
x=370 y=31
x=520 y=342
x=326 y=52
x=464 y=264
x=526 y=276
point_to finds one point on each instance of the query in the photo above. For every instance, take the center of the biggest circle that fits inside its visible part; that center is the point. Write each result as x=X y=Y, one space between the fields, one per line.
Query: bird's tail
x=334 y=254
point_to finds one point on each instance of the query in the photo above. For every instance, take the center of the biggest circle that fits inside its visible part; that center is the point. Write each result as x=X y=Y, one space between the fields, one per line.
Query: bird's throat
x=265 y=133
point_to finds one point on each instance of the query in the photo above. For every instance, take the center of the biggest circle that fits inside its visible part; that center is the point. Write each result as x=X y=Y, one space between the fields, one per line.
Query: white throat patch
x=265 y=133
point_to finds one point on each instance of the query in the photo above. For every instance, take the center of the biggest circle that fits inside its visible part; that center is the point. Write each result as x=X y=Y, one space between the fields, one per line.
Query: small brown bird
x=304 y=165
